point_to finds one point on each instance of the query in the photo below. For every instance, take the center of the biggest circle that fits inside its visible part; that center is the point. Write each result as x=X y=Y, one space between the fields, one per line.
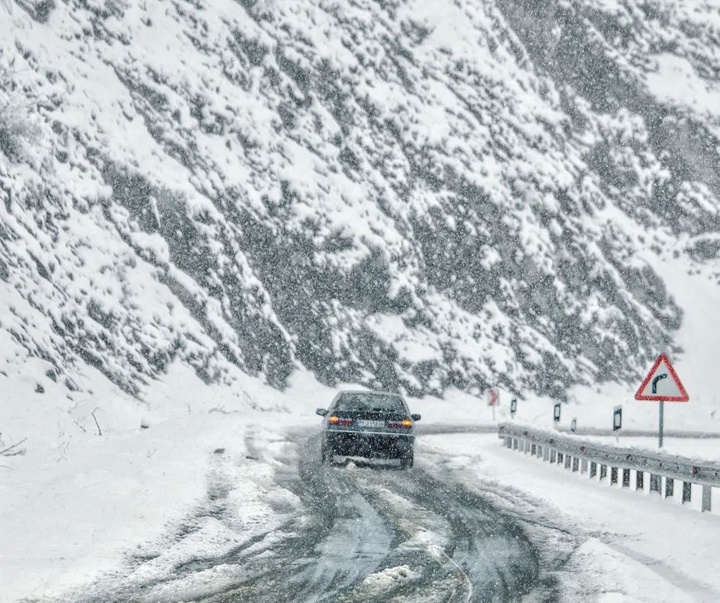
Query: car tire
x=407 y=460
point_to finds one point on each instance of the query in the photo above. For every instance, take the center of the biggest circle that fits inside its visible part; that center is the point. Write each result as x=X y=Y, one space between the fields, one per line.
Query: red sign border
x=682 y=398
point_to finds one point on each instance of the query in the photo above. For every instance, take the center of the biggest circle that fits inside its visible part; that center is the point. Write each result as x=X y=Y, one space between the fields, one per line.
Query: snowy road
x=472 y=521
x=380 y=534
x=361 y=534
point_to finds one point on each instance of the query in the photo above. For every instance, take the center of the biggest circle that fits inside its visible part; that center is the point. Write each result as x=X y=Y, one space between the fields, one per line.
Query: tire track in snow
x=347 y=540
x=487 y=551
x=475 y=555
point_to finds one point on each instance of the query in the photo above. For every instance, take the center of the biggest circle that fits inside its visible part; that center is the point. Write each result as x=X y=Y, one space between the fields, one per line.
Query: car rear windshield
x=370 y=402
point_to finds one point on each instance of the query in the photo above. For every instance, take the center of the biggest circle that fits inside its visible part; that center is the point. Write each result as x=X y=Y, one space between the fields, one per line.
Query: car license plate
x=371 y=424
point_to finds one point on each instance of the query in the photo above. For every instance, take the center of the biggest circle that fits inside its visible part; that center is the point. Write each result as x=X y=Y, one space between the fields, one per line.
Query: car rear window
x=370 y=402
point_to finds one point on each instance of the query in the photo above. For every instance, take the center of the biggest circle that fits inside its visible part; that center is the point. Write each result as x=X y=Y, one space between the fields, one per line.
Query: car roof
x=368 y=392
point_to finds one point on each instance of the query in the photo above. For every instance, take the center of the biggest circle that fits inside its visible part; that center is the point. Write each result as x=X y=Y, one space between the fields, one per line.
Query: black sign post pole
x=617 y=418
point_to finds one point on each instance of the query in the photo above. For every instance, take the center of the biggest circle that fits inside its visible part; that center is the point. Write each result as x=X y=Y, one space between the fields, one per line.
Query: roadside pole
x=661 y=425
x=617 y=422
x=493 y=399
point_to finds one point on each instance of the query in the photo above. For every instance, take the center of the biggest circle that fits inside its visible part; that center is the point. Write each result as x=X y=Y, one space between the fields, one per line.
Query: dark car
x=374 y=425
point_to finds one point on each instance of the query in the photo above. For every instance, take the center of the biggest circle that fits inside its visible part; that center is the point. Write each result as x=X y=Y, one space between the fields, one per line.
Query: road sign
x=662 y=383
x=556 y=412
x=492 y=396
x=617 y=418
x=513 y=407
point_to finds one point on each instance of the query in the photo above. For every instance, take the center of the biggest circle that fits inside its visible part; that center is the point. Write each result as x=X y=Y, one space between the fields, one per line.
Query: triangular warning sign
x=662 y=383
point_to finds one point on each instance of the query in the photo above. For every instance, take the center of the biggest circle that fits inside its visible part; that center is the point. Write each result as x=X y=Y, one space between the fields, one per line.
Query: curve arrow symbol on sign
x=654 y=382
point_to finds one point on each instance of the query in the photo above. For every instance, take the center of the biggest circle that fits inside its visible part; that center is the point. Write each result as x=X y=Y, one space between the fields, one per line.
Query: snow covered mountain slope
x=399 y=193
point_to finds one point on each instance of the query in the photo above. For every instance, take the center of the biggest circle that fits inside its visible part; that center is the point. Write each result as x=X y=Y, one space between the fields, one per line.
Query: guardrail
x=595 y=460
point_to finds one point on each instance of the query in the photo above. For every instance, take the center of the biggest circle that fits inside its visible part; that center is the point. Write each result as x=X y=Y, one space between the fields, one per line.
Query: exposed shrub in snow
x=17 y=128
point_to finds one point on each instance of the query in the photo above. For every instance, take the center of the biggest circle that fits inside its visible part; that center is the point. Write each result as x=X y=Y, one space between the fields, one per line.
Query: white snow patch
x=597 y=573
x=677 y=82
x=387 y=579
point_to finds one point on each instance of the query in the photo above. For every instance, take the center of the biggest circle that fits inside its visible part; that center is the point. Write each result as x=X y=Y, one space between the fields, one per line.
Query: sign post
x=513 y=407
x=662 y=385
x=556 y=414
x=493 y=398
x=617 y=418
x=661 y=424
x=617 y=421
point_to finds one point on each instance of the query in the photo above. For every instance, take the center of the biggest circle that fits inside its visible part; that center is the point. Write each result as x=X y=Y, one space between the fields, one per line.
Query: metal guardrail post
x=669 y=487
x=639 y=480
x=686 y=492
x=706 y=499
x=575 y=464
x=626 y=478
x=655 y=482
x=533 y=450
x=593 y=469
x=568 y=461
x=613 y=475
x=603 y=472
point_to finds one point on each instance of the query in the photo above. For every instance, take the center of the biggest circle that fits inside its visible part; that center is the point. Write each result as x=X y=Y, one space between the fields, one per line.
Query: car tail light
x=338 y=421
x=403 y=423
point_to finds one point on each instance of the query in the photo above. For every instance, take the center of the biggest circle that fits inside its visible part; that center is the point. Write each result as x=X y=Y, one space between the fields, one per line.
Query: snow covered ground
x=104 y=478
x=627 y=546
x=85 y=505
x=79 y=505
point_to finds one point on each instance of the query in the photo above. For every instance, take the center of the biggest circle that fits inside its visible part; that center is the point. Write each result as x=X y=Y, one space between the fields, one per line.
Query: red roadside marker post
x=493 y=399
x=662 y=385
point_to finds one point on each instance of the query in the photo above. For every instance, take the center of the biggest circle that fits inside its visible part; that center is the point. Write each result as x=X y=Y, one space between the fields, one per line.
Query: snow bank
x=629 y=546
x=78 y=505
